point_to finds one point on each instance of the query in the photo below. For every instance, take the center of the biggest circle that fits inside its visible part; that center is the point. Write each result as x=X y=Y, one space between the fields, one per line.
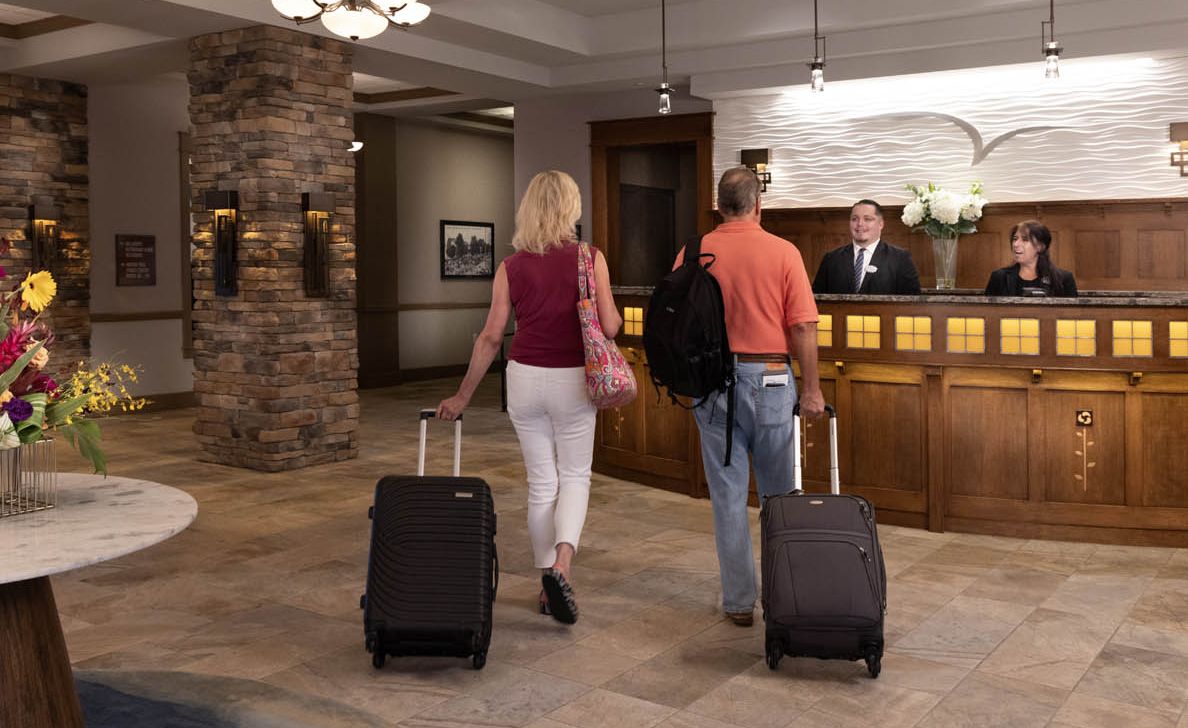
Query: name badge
x=871 y=269
x=775 y=380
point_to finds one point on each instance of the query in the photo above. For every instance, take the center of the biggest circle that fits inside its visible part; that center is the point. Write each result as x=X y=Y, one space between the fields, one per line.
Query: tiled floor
x=254 y=610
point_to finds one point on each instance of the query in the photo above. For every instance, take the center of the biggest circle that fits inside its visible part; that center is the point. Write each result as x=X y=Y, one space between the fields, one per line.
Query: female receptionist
x=1032 y=273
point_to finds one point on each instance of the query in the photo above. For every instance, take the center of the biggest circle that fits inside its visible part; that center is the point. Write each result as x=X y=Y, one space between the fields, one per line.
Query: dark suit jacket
x=896 y=274
x=1006 y=282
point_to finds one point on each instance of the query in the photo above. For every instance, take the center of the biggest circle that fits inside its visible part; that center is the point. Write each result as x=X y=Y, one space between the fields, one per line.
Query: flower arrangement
x=31 y=402
x=941 y=214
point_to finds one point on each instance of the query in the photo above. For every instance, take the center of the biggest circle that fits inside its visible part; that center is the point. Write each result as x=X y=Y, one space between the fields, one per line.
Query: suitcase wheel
x=362 y=601
x=371 y=512
x=874 y=663
x=774 y=652
x=377 y=659
x=479 y=659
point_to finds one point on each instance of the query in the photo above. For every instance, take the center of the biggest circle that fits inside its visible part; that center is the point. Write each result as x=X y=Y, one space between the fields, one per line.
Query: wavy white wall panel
x=1100 y=132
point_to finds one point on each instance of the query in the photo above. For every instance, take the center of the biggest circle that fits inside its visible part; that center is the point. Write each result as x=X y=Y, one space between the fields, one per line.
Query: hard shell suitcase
x=824 y=582
x=433 y=569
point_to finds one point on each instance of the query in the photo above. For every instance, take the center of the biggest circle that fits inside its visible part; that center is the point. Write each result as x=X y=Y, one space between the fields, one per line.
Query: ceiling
x=13 y=15
x=494 y=52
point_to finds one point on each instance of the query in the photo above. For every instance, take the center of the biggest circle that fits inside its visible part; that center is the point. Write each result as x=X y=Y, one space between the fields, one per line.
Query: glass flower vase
x=944 y=257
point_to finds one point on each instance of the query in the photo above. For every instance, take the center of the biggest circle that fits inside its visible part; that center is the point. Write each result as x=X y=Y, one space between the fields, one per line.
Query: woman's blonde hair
x=548 y=212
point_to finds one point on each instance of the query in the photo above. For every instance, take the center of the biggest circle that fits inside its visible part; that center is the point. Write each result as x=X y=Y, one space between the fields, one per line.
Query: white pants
x=554 y=421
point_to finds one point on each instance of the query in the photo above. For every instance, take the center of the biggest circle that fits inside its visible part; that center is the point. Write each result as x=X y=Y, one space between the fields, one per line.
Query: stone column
x=275 y=370
x=43 y=159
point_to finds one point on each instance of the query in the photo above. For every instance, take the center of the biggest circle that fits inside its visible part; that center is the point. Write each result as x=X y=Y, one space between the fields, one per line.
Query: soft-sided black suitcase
x=824 y=583
x=433 y=569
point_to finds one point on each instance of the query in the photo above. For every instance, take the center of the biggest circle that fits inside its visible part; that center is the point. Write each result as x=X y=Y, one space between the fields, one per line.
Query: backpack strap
x=730 y=414
x=693 y=252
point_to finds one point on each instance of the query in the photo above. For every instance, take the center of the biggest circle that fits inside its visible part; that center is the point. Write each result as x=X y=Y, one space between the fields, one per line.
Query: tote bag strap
x=585 y=272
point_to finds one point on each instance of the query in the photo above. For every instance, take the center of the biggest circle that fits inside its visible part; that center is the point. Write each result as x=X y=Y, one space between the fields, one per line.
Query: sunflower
x=37 y=290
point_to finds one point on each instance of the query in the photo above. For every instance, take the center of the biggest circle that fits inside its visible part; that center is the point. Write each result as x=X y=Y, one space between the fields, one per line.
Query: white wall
x=446 y=173
x=135 y=190
x=554 y=133
x=1099 y=132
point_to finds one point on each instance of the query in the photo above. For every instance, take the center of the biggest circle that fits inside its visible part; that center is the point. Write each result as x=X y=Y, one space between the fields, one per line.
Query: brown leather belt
x=783 y=358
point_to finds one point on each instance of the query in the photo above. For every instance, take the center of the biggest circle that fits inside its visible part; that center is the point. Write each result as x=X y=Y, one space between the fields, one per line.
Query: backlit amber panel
x=1076 y=337
x=1132 y=338
x=913 y=333
x=966 y=335
x=862 y=332
x=1020 y=336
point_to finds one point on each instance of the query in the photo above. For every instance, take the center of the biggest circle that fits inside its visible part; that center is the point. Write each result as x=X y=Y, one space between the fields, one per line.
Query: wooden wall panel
x=886 y=443
x=1083 y=464
x=814 y=450
x=1165 y=456
x=1098 y=254
x=666 y=426
x=1162 y=254
x=980 y=253
x=987 y=442
x=1101 y=241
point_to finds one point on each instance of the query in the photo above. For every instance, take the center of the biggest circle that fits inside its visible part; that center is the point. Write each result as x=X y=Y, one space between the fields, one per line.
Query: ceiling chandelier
x=354 y=19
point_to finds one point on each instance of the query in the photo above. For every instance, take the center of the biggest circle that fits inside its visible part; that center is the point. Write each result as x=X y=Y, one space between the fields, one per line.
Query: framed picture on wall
x=467 y=249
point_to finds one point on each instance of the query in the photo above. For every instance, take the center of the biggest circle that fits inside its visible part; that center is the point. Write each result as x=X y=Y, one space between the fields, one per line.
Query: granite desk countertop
x=1121 y=299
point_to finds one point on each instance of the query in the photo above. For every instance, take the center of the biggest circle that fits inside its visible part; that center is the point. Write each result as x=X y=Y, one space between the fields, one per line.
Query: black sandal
x=560 y=594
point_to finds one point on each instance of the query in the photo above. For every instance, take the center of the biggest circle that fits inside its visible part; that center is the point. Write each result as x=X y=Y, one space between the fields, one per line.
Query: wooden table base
x=36 y=683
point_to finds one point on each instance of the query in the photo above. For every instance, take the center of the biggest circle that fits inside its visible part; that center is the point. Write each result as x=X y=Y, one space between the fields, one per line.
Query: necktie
x=859 y=264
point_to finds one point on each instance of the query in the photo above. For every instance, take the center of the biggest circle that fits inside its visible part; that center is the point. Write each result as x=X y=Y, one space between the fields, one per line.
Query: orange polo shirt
x=765 y=288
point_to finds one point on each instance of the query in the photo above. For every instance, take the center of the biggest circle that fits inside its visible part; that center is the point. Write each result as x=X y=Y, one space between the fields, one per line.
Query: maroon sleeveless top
x=544 y=294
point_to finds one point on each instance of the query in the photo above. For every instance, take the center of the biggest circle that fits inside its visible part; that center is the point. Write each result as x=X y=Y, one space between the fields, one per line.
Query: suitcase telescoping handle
x=426 y=415
x=797 y=474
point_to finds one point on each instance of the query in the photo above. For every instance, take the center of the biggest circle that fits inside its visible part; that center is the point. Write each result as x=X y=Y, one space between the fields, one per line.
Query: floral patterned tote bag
x=609 y=379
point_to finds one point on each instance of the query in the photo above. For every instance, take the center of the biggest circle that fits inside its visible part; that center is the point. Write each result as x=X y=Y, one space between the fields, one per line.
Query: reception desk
x=1049 y=418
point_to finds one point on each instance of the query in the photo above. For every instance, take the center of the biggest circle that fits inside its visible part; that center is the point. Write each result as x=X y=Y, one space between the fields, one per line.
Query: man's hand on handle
x=812 y=404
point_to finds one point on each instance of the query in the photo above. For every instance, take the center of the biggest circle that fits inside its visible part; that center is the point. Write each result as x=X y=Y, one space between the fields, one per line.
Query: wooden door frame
x=605 y=139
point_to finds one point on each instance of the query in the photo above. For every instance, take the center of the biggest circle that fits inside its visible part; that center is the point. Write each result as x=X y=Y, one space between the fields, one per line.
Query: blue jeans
x=762 y=429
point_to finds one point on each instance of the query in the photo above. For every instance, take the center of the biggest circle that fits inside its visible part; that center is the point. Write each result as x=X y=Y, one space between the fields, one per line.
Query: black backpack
x=685 y=336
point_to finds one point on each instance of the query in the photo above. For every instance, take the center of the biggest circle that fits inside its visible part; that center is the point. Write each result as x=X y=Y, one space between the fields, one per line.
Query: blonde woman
x=546 y=380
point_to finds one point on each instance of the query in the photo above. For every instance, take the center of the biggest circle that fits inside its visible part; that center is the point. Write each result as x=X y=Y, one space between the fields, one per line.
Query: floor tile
x=987 y=701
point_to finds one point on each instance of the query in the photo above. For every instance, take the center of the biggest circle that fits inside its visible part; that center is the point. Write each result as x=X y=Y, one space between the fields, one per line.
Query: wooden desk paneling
x=988 y=442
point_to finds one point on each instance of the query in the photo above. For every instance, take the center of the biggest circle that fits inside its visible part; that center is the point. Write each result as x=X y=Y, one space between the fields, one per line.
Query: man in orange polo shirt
x=770 y=316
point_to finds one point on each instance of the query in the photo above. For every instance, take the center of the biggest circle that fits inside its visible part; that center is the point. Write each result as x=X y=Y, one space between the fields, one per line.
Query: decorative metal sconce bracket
x=225 y=227
x=45 y=230
x=317 y=208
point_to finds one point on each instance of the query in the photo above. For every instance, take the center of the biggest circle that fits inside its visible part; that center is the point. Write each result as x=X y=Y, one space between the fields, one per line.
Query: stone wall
x=43 y=154
x=275 y=371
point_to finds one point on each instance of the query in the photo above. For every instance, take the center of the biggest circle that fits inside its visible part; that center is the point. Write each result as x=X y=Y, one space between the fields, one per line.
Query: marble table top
x=96 y=519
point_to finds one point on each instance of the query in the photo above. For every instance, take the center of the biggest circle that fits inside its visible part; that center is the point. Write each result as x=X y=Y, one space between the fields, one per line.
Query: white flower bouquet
x=941 y=214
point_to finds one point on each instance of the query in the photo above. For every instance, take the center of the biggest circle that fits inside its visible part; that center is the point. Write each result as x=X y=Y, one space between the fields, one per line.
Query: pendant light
x=817 y=74
x=1051 y=46
x=665 y=90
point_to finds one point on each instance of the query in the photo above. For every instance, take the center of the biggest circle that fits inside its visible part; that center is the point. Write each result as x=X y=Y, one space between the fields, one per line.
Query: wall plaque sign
x=136 y=260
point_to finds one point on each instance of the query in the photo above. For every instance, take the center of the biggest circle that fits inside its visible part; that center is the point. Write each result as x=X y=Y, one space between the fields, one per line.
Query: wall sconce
x=317 y=208
x=45 y=221
x=756 y=160
x=1179 y=134
x=225 y=205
